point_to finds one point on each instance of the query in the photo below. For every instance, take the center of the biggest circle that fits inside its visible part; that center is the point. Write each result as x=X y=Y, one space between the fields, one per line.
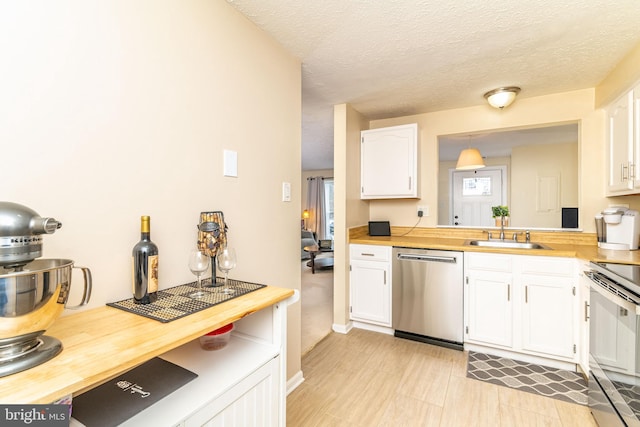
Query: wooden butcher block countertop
x=561 y=243
x=103 y=342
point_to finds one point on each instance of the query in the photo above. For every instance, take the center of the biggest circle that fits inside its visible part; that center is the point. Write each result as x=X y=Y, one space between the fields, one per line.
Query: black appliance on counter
x=614 y=347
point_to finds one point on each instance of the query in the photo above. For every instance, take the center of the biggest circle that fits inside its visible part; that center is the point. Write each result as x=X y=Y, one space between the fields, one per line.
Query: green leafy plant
x=500 y=211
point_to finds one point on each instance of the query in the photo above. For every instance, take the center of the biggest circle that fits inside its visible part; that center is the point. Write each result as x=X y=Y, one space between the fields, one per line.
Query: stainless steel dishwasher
x=427 y=296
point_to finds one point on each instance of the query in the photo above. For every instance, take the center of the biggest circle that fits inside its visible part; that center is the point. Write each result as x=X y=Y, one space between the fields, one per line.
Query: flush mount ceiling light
x=502 y=97
x=470 y=158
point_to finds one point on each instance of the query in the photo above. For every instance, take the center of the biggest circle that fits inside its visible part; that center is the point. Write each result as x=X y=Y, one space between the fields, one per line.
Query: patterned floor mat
x=555 y=383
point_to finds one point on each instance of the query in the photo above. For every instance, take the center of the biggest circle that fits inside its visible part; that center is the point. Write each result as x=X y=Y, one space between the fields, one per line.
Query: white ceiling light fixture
x=502 y=97
x=470 y=158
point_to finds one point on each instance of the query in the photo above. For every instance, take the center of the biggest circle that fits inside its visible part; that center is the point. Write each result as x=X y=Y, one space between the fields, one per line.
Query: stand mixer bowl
x=32 y=297
x=33 y=293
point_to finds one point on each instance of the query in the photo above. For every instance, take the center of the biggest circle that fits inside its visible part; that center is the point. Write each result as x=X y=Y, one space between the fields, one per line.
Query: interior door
x=474 y=193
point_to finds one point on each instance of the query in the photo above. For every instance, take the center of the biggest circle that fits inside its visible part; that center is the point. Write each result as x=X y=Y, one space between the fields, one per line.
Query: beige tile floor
x=370 y=379
x=316 y=297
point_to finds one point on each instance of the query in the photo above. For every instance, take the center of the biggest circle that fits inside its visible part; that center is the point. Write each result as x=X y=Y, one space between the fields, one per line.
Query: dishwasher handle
x=427 y=258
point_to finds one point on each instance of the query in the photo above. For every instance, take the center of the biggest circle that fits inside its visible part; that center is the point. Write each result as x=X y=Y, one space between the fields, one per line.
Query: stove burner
x=37 y=352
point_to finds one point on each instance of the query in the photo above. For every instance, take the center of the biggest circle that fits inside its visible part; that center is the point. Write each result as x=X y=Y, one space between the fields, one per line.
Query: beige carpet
x=317 y=305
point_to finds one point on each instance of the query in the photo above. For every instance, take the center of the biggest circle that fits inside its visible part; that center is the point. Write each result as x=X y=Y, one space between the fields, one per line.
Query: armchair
x=308 y=239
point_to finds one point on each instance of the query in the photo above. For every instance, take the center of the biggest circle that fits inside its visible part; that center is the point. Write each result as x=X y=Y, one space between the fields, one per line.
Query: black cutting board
x=126 y=395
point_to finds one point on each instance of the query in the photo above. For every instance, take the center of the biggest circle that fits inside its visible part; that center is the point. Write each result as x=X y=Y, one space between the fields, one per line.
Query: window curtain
x=316 y=206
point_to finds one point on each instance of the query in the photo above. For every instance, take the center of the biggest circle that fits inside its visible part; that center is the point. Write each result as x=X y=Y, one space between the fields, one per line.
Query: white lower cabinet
x=524 y=304
x=370 y=284
x=249 y=403
x=548 y=315
x=242 y=384
x=490 y=309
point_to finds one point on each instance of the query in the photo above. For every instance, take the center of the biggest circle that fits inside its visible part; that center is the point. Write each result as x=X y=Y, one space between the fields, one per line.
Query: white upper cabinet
x=636 y=137
x=623 y=139
x=389 y=162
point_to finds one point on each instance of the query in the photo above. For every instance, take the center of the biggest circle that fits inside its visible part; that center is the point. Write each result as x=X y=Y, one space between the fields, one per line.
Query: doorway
x=473 y=193
x=316 y=294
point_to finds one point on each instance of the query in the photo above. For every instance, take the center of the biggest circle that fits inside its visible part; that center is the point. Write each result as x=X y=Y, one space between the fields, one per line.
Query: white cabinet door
x=250 y=403
x=583 y=318
x=636 y=137
x=371 y=292
x=490 y=307
x=620 y=141
x=389 y=162
x=548 y=315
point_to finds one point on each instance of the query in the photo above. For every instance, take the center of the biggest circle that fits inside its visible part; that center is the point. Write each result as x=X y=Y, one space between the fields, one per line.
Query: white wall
x=533 y=163
x=113 y=110
x=349 y=209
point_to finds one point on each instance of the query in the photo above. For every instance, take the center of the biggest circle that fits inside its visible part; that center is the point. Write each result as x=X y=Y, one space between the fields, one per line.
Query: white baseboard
x=342 y=329
x=294 y=382
x=374 y=328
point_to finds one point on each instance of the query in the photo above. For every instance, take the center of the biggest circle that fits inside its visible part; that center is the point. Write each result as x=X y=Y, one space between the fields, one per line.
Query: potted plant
x=501 y=214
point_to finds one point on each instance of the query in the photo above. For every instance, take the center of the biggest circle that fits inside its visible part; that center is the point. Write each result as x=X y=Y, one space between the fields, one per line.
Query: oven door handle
x=620 y=302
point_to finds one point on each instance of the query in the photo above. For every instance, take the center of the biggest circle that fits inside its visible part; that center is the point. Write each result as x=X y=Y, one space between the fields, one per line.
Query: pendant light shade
x=502 y=97
x=470 y=158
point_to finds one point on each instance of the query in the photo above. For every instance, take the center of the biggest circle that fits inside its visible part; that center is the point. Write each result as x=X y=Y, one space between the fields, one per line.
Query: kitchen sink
x=506 y=244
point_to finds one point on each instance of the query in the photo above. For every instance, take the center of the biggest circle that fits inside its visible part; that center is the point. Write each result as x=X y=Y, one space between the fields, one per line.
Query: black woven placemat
x=174 y=303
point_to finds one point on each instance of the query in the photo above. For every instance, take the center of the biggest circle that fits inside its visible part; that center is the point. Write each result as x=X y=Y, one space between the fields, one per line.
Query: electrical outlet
x=421 y=211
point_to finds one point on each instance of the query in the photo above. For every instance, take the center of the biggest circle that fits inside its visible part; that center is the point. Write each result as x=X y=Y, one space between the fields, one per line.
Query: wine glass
x=226 y=261
x=198 y=264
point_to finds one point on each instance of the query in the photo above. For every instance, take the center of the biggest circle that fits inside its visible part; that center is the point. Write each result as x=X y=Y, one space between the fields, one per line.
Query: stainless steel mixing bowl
x=33 y=296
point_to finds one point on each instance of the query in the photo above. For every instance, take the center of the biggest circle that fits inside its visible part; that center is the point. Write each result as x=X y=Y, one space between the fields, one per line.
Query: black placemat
x=174 y=303
x=126 y=395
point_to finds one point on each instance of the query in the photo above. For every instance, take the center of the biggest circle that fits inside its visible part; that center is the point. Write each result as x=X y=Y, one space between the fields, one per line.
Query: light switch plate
x=286 y=191
x=230 y=163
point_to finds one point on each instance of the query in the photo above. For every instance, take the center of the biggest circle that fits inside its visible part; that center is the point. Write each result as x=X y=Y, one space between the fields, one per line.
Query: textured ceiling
x=394 y=58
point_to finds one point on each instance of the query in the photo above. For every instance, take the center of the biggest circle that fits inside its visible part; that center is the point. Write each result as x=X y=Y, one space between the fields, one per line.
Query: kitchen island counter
x=101 y=343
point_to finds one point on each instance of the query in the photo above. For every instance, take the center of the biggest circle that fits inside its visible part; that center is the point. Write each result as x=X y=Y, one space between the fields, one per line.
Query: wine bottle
x=145 y=266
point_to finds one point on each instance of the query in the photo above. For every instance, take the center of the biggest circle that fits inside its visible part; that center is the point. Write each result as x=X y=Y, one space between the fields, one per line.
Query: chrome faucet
x=502 y=228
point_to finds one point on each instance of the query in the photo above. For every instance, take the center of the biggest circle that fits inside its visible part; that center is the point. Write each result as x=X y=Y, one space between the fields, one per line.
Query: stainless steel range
x=614 y=378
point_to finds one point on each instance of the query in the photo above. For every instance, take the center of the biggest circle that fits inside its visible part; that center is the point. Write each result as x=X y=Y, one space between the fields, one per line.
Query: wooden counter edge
x=103 y=342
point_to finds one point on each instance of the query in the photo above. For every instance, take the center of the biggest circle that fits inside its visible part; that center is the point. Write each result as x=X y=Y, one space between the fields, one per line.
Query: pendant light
x=470 y=158
x=502 y=97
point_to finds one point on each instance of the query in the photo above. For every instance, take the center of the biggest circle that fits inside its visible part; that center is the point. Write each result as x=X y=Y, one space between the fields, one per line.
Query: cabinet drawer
x=549 y=266
x=370 y=252
x=489 y=262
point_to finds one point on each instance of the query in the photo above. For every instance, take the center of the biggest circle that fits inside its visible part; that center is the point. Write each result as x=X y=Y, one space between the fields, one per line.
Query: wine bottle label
x=152 y=277
x=152 y=274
